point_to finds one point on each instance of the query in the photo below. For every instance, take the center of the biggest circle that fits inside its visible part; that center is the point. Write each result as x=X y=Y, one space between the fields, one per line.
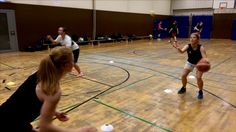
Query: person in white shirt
x=198 y=28
x=65 y=40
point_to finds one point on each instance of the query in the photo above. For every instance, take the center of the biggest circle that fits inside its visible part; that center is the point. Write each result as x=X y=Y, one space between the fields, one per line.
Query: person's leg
x=187 y=69
x=171 y=38
x=175 y=38
x=170 y=34
x=200 y=84
x=184 y=81
x=159 y=35
x=76 y=56
x=184 y=77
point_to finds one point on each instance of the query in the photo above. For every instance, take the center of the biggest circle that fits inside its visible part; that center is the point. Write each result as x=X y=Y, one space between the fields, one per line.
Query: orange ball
x=203 y=66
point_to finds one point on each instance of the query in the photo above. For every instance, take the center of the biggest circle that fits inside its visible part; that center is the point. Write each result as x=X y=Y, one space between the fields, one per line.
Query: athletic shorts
x=189 y=66
x=76 y=55
x=173 y=34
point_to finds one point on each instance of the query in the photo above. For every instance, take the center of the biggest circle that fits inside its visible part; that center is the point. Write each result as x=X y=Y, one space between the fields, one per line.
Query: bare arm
x=203 y=53
x=200 y=30
x=195 y=28
x=54 y=42
x=161 y=27
x=48 y=112
x=181 y=50
x=170 y=30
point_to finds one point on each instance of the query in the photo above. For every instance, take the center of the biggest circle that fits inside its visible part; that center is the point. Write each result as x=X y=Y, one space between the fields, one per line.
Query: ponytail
x=51 y=69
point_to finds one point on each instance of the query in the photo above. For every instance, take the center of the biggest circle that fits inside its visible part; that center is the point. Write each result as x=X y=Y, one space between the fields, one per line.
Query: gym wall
x=35 y=21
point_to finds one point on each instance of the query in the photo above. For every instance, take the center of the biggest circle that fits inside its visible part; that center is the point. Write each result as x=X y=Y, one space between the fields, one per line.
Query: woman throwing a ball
x=39 y=96
x=195 y=52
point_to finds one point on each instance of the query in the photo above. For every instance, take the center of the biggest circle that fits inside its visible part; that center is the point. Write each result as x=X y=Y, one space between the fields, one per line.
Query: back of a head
x=196 y=34
x=51 y=68
x=60 y=56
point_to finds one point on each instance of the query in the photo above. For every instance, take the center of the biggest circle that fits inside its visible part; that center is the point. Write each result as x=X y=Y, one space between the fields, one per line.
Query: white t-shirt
x=67 y=42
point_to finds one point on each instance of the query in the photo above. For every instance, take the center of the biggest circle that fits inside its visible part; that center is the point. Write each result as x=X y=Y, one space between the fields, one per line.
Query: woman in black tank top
x=195 y=53
x=38 y=96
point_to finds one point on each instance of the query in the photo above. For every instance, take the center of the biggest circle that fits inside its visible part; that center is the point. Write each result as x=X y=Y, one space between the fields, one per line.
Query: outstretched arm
x=195 y=28
x=54 y=42
x=181 y=50
x=170 y=30
x=161 y=28
x=48 y=111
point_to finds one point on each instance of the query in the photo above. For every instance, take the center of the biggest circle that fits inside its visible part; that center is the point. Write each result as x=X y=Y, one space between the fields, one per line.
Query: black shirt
x=23 y=106
x=174 y=28
x=194 y=55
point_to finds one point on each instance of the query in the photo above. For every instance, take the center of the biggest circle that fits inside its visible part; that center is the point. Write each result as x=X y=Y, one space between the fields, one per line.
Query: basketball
x=203 y=65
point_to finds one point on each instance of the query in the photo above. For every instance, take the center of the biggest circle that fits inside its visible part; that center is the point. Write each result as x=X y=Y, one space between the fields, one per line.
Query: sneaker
x=182 y=90
x=200 y=94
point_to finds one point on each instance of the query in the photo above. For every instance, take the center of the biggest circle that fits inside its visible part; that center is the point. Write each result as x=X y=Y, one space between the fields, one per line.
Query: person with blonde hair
x=195 y=53
x=39 y=96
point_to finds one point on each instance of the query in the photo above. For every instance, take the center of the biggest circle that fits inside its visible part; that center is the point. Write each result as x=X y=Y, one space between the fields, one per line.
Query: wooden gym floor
x=137 y=86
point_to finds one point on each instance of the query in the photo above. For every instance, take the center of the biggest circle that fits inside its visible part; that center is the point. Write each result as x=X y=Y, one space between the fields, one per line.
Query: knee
x=199 y=78
x=184 y=76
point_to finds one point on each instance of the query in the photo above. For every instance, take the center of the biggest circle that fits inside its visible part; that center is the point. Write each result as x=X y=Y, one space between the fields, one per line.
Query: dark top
x=199 y=27
x=194 y=55
x=174 y=28
x=23 y=106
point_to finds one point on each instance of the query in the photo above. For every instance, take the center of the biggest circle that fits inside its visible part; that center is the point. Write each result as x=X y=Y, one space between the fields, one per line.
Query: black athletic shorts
x=76 y=55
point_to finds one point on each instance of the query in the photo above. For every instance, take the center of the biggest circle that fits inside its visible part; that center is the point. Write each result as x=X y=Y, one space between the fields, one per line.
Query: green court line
x=141 y=119
x=71 y=106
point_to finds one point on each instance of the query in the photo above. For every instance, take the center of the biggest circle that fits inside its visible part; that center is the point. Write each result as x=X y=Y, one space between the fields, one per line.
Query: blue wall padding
x=207 y=25
x=234 y=30
x=183 y=25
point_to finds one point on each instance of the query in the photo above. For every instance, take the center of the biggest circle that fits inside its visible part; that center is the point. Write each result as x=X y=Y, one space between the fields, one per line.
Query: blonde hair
x=51 y=69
